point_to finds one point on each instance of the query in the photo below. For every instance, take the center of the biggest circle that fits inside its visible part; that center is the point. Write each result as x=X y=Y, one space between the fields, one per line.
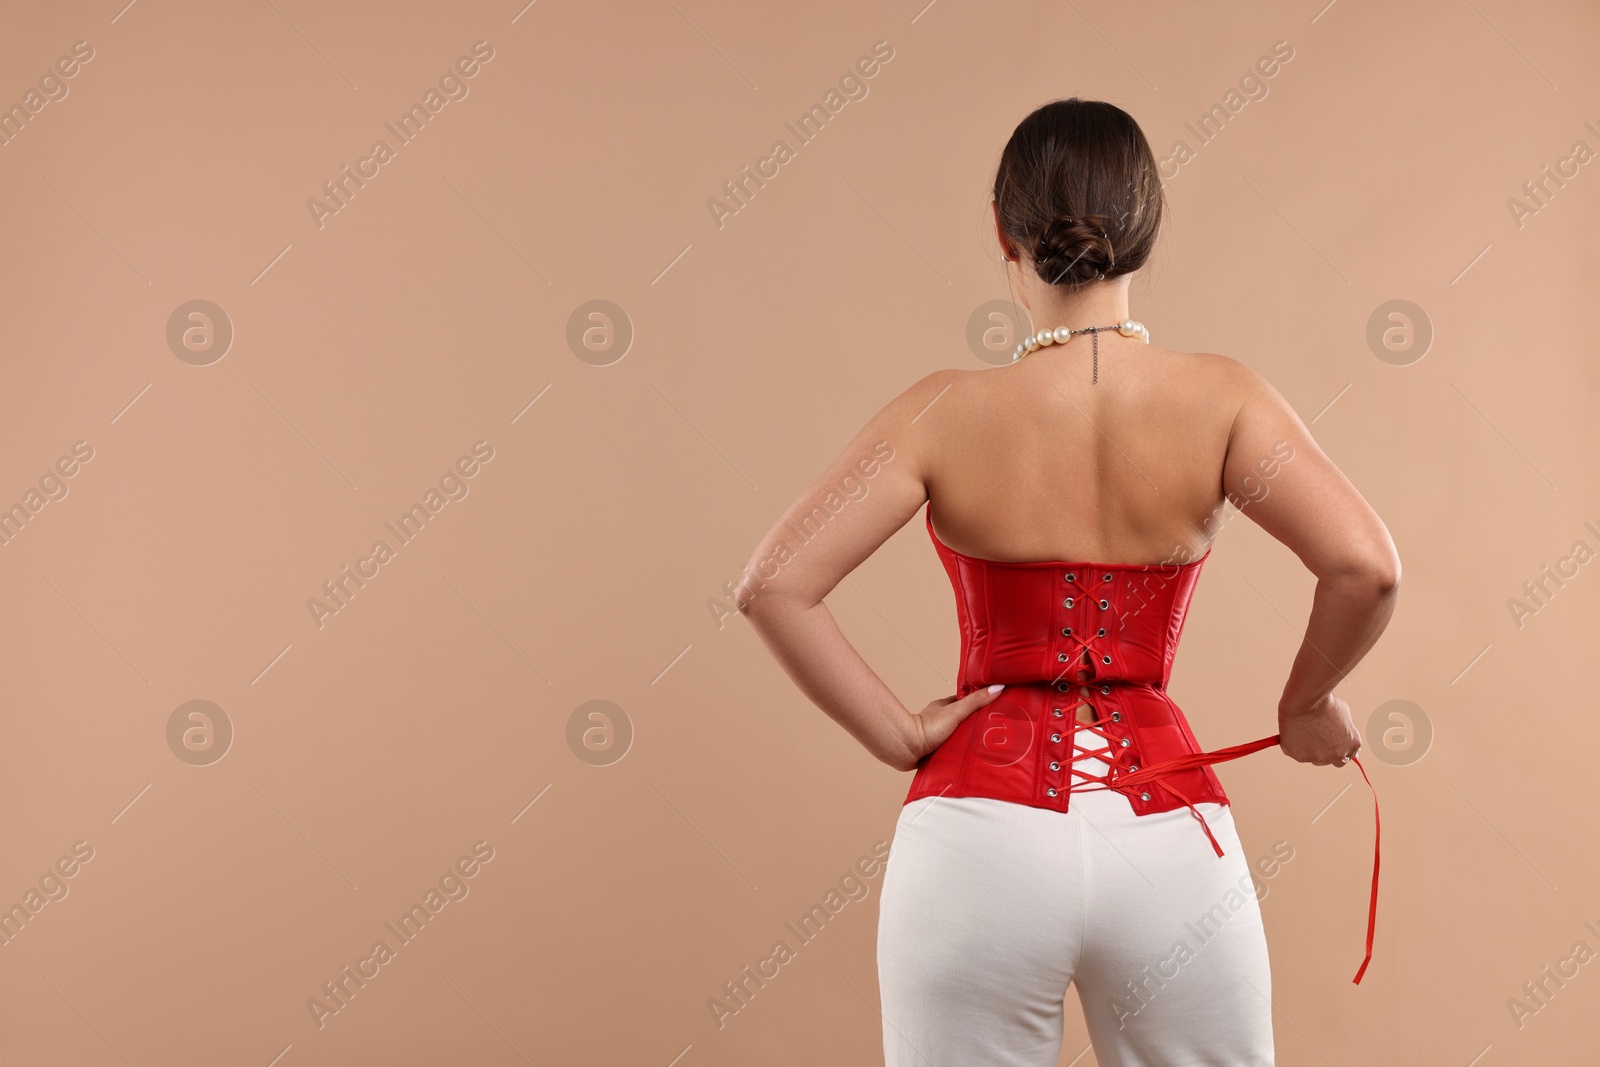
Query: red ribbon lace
x=1156 y=771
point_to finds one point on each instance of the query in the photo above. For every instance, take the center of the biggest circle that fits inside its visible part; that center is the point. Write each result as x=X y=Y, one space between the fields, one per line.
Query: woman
x=1031 y=852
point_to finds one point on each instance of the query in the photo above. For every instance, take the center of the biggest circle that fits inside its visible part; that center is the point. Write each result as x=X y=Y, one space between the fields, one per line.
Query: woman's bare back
x=1034 y=461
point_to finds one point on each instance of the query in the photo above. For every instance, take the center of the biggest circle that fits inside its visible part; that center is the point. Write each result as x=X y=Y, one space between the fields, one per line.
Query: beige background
x=429 y=313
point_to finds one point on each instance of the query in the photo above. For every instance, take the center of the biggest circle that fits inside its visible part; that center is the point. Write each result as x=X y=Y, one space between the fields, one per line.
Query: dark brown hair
x=1078 y=192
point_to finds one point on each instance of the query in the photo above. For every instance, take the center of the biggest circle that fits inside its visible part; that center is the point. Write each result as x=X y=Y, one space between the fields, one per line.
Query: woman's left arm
x=874 y=486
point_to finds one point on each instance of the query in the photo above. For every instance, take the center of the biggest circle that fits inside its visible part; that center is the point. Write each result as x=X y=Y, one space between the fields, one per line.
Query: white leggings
x=989 y=909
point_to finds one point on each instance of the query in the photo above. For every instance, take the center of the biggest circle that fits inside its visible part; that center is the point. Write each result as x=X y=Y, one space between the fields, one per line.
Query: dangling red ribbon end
x=1155 y=772
x=1372 y=908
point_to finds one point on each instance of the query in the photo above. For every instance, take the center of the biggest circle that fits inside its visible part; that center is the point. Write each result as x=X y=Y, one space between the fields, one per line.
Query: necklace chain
x=1061 y=335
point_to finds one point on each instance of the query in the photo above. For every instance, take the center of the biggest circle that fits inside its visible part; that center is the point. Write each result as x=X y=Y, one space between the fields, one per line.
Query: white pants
x=989 y=909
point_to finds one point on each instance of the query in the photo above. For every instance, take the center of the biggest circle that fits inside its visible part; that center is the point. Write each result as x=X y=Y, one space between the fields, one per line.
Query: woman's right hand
x=935 y=723
x=1323 y=734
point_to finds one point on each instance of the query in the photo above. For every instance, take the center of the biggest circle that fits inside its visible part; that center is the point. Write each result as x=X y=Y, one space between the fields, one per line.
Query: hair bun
x=1074 y=249
x=1078 y=192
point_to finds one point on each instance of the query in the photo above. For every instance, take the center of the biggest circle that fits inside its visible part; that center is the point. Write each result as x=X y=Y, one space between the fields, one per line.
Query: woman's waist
x=1060 y=688
x=1132 y=715
x=1023 y=744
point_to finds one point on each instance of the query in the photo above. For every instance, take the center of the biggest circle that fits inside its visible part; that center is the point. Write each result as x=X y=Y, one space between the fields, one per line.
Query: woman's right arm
x=1308 y=504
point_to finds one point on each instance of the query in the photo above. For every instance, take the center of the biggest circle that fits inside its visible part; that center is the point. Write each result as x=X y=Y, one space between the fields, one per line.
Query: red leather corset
x=1067 y=638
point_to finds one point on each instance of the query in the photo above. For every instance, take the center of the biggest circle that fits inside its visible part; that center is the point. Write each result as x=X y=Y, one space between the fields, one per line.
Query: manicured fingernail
x=997 y=687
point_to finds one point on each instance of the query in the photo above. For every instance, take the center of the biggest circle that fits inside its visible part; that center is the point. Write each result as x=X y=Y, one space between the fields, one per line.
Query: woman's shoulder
x=1218 y=376
x=1224 y=369
x=935 y=385
x=1207 y=376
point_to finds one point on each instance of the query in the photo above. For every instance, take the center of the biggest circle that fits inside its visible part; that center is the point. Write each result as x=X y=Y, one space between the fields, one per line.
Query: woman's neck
x=1096 y=304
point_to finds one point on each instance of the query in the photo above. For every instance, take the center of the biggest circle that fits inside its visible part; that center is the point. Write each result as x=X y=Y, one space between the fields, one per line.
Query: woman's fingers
x=1324 y=755
x=953 y=710
x=941 y=717
x=979 y=697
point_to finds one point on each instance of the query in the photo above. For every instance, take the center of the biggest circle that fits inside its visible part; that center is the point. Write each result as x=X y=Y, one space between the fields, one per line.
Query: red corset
x=1071 y=637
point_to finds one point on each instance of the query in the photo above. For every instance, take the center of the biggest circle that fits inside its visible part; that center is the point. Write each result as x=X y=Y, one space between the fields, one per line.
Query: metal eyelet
x=1067 y=603
x=1107 y=578
x=1105 y=689
x=1056 y=712
x=1104 y=604
x=1066 y=631
x=1126 y=742
x=1133 y=766
x=1100 y=632
x=1071 y=577
x=1144 y=796
x=1063 y=686
x=1061 y=657
x=1056 y=738
x=1050 y=792
x=1105 y=659
x=1116 y=716
x=1054 y=766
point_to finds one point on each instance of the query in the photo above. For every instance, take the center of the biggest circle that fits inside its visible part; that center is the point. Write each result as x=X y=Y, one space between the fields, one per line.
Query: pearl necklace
x=1061 y=335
